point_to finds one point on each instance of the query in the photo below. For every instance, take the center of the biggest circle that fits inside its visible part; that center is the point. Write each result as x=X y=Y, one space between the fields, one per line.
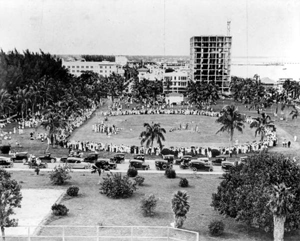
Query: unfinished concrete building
x=210 y=59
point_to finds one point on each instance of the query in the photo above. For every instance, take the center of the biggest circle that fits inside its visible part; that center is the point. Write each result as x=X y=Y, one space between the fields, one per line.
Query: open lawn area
x=132 y=125
x=92 y=208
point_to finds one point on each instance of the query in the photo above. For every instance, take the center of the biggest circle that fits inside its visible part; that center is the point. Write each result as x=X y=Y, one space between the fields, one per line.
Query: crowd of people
x=270 y=139
x=105 y=128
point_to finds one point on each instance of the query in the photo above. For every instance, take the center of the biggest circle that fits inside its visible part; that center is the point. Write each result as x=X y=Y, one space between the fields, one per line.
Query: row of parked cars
x=138 y=162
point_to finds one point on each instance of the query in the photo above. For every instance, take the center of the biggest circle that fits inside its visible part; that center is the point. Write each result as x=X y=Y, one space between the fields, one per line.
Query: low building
x=103 y=68
x=172 y=98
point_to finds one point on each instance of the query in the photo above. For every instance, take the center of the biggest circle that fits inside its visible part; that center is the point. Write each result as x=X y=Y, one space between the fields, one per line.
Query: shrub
x=132 y=172
x=139 y=180
x=170 y=173
x=183 y=182
x=5 y=149
x=59 y=175
x=73 y=191
x=59 y=210
x=148 y=205
x=116 y=186
x=216 y=228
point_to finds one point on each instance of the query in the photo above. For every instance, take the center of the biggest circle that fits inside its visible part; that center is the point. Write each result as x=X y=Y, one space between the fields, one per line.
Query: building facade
x=175 y=82
x=103 y=68
x=210 y=59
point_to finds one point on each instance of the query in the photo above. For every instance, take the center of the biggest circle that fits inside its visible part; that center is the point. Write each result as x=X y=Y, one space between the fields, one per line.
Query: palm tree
x=231 y=119
x=152 y=132
x=281 y=199
x=261 y=124
x=180 y=207
x=295 y=112
x=5 y=101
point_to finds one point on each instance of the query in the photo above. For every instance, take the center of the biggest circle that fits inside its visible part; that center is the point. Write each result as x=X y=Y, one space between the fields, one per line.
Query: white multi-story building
x=103 y=68
x=175 y=82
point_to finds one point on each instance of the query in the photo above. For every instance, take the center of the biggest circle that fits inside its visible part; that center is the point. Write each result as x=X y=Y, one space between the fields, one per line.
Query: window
x=100 y=71
x=68 y=67
x=73 y=66
x=73 y=70
x=87 y=67
x=77 y=70
x=91 y=67
x=100 y=67
x=77 y=66
x=82 y=66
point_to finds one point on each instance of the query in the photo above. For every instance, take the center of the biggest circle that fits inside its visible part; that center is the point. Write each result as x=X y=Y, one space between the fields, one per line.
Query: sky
x=259 y=28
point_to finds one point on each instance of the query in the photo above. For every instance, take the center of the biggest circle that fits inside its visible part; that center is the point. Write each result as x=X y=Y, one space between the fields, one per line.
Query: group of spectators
x=105 y=128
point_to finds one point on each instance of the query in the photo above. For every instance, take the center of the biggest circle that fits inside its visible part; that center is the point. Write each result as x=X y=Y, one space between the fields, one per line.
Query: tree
x=152 y=132
x=263 y=193
x=180 y=207
x=281 y=202
x=231 y=119
x=295 y=112
x=11 y=197
x=201 y=93
x=261 y=124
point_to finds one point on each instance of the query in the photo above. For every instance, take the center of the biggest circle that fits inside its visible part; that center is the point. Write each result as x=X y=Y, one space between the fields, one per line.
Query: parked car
x=47 y=158
x=201 y=164
x=91 y=158
x=226 y=165
x=139 y=157
x=185 y=158
x=6 y=162
x=185 y=163
x=169 y=158
x=105 y=164
x=163 y=164
x=219 y=159
x=20 y=157
x=77 y=163
x=118 y=158
x=243 y=159
x=138 y=164
x=63 y=159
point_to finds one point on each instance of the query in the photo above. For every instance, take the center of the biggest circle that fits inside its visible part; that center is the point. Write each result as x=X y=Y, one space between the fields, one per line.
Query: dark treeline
x=99 y=58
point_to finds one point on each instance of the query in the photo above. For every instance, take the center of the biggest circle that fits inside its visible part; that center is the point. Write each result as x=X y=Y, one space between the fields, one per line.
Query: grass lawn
x=92 y=208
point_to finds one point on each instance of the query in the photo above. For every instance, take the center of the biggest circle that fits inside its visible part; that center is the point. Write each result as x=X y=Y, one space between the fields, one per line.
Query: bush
x=132 y=172
x=183 y=182
x=59 y=175
x=73 y=191
x=170 y=173
x=139 y=180
x=5 y=149
x=116 y=186
x=216 y=228
x=148 y=205
x=59 y=210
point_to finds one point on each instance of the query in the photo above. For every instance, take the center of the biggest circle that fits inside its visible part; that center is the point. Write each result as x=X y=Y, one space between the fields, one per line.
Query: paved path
x=35 y=206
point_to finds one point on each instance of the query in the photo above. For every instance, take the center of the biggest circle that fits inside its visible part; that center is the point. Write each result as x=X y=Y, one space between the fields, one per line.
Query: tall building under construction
x=210 y=59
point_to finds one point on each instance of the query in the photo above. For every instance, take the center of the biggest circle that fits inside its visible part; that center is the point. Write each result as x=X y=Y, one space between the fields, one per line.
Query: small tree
x=280 y=204
x=10 y=193
x=59 y=175
x=180 y=207
x=148 y=204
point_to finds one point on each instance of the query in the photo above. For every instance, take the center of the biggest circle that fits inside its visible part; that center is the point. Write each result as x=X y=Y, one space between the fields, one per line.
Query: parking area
x=122 y=168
